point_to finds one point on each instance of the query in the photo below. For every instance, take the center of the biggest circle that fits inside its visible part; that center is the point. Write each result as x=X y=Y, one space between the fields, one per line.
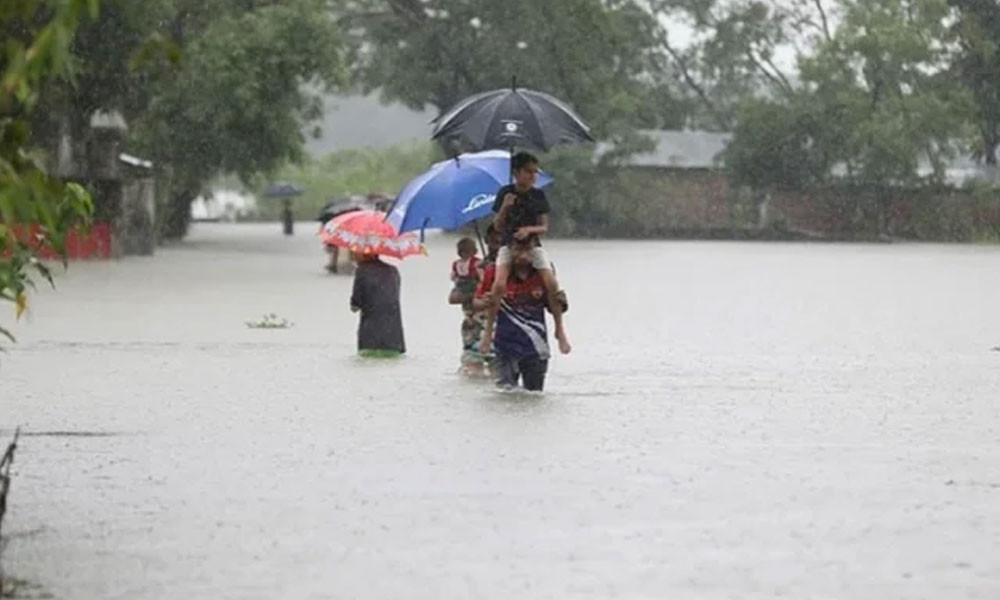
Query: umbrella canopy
x=340 y=206
x=283 y=190
x=367 y=232
x=453 y=192
x=511 y=118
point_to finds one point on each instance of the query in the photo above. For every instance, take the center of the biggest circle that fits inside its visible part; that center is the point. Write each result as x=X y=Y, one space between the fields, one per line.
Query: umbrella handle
x=423 y=227
x=512 y=163
x=482 y=246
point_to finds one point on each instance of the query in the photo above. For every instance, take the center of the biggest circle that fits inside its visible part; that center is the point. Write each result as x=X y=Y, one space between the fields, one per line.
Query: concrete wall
x=646 y=203
x=700 y=203
x=137 y=230
x=124 y=195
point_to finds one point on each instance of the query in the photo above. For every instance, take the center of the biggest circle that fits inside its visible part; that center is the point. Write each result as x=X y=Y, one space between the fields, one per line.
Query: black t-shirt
x=527 y=211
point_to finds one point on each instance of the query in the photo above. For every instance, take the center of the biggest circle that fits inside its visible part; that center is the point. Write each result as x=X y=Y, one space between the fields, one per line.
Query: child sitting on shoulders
x=522 y=217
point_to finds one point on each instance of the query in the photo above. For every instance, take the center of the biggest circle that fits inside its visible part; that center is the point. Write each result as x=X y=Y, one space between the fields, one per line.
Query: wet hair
x=522 y=160
x=520 y=251
x=466 y=247
x=525 y=245
x=491 y=232
x=493 y=243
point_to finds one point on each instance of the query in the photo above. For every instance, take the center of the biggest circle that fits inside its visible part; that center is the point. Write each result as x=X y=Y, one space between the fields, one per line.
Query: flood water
x=737 y=421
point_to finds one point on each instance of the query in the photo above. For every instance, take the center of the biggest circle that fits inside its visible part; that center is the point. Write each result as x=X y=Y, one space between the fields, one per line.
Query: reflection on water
x=736 y=421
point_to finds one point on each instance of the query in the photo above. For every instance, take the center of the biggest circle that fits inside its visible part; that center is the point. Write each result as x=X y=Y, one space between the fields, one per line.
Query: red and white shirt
x=465 y=268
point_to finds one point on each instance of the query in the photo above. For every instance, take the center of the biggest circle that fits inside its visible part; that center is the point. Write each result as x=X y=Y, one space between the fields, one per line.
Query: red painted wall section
x=93 y=244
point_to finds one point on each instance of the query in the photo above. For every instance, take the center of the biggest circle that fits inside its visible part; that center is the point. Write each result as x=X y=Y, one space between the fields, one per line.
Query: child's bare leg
x=555 y=307
x=499 y=285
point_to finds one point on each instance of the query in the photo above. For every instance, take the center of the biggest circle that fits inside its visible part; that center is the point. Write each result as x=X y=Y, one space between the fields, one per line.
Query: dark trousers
x=531 y=370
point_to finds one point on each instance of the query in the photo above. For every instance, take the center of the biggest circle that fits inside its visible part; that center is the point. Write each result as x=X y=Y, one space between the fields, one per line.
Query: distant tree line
x=878 y=94
x=868 y=91
x=871 y=87
x=874 y=95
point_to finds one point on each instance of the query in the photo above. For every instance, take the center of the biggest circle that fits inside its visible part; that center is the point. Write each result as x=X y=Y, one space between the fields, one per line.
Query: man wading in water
x=521 y=342
x=522 y=217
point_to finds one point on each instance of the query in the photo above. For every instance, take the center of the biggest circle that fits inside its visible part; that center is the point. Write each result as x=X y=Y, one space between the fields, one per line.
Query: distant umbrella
x=283 y=190
x=340 y=206
x=508 y=118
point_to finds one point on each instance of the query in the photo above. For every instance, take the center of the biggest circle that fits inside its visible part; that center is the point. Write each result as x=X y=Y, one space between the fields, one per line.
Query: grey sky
x=363 y=122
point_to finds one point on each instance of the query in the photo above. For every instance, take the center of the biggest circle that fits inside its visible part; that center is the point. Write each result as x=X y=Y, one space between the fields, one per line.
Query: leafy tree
x=884 y=70
x=351 y=171
x=773 y=146
x=207 y=87
x=598 y=56
x=977 y=67
x=238 y=102
x=736 y=49
x=875 y=107
x=37 y=210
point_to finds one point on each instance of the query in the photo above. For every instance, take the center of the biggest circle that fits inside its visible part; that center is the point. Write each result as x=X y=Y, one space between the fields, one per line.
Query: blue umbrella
x=453 y=192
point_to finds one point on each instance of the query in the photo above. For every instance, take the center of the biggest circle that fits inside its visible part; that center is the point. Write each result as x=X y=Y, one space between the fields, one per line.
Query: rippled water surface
x=737 y=421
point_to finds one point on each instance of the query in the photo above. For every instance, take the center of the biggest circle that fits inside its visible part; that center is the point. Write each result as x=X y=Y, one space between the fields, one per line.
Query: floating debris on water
x=271 y=321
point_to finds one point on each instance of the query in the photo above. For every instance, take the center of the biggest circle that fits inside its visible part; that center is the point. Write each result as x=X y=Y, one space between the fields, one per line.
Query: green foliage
x=236 y=104
x=734 y=54
x=876 y=103
x=37 y=210
x=884 y=67
x=240 y=97
x=977 y=67
x=349 y=173
x=598 y=56
x=207 y=87
x=772 y=146
x=966 y=215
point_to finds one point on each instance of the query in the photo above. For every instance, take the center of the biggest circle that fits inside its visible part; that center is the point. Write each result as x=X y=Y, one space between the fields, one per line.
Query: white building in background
x=223 y=205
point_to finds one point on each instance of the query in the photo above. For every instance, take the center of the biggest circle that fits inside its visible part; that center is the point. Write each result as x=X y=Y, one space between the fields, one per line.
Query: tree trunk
x=990 y=144
x=177 y=214
x=883 y=212
x=762 y=206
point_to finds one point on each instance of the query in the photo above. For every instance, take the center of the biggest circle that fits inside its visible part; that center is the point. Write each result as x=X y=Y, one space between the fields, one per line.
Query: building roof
x=703 y=149
x=135 y=161
x=101 y=119
x=963 y=170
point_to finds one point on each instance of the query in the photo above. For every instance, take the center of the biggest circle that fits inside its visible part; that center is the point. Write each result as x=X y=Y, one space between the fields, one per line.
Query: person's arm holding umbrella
x=506 y=203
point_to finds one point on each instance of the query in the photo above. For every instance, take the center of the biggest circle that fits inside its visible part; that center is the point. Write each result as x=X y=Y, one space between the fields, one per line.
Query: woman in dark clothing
x=376 y=297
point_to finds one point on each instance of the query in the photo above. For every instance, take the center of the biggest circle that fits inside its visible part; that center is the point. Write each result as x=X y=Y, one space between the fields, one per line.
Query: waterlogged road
x=738 y=421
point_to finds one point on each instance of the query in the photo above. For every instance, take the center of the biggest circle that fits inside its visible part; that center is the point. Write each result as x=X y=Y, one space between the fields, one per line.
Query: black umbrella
x=283 y=190
x=510 y=118
x=340 y=206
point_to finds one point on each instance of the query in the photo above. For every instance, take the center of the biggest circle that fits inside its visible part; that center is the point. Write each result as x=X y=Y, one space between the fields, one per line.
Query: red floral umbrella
x=366 y=232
